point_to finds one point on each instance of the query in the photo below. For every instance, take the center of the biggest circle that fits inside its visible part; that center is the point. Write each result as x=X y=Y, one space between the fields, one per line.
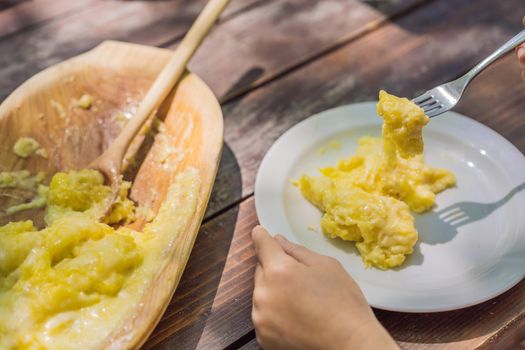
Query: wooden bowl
x=117 y=75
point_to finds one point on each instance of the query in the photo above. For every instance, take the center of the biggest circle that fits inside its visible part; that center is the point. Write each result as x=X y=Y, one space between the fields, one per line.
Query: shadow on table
x=184 y=321
x=241 y=85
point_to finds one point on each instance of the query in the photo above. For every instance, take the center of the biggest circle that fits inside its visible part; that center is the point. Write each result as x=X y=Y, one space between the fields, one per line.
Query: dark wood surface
x=272 y=64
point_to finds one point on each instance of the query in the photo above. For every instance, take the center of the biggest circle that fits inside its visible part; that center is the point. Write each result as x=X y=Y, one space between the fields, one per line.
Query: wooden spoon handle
x=165 y=81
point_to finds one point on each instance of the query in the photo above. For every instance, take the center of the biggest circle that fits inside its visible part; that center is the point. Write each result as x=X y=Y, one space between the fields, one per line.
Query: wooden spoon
x=110 y=162
x=39 y=108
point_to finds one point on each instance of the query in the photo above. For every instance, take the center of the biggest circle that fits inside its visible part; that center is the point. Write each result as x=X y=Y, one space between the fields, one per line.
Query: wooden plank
x=513 y=337
x=497 y=99
x=240 y=58
x=29 y=13
x=405 y=57
x=146 y=22
x=259 y=45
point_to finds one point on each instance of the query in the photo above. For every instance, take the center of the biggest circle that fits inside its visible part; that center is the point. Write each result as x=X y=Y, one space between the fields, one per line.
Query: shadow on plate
x=346 y=246
x=442 y=226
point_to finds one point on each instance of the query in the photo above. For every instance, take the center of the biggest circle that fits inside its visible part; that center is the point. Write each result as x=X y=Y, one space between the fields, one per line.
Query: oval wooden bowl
x=117 y=75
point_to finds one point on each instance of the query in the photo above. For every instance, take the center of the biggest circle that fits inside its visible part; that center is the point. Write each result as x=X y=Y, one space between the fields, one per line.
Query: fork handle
x=502 y=50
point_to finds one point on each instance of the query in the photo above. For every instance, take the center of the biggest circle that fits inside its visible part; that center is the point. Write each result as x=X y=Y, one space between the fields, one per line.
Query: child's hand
x=303 y=300
x=521 y=56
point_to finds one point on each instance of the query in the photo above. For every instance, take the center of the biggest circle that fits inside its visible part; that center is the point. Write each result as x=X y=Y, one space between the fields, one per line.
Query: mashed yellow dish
x=368 y=197
x=79 y=277
x=23 y=181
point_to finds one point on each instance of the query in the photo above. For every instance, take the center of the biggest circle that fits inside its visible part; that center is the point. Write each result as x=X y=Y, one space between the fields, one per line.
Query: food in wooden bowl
x=368 y=197
x=78 y=282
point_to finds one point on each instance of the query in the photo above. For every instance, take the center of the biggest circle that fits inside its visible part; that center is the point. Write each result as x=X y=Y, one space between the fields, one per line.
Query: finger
x=523 y=21
x=266 y=247
x=521 y=54
x=258 y=283
x=298 y=252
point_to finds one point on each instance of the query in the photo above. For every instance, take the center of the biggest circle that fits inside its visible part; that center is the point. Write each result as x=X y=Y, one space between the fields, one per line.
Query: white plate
x=451 y=267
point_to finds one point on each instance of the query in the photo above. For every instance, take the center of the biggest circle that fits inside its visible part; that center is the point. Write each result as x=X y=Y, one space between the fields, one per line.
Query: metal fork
x=444 y=97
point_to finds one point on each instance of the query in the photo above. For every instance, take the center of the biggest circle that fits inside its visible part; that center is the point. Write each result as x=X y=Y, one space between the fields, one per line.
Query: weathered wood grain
x=145 y=22
x=23 y=14
x=260 y=45
x=497 y=99
x=231 y=60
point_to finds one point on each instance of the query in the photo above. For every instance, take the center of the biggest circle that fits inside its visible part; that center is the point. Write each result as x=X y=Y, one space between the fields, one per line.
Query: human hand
x=303 y=300
x=520 y=50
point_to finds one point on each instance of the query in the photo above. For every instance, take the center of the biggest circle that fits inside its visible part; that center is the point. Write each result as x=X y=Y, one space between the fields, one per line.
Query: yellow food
x=11 y=182
x=25 y=147
x=21 y=179
x=39 y=201
x=73 y=283
x=368 y=197
x=85 y=101
x=42 y=153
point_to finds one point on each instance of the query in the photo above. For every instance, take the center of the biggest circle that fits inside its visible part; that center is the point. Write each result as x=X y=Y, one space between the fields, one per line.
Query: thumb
x=297 y=251
x=267 y=248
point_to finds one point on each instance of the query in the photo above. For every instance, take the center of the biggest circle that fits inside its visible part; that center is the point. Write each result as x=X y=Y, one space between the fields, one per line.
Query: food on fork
x=368 y=197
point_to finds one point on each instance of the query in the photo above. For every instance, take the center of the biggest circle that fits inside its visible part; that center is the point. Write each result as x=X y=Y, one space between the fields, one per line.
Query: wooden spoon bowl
x=117 y=75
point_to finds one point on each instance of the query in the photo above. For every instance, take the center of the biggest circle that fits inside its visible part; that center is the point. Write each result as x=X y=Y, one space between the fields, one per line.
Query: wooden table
x=272 y=64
